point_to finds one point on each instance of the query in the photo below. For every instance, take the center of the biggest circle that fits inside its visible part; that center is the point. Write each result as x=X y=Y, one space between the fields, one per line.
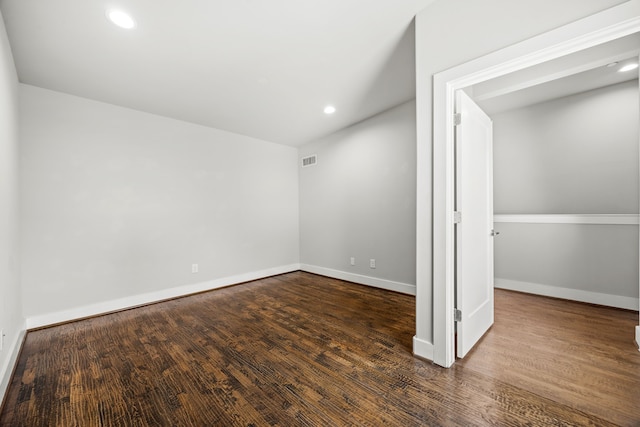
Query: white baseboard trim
x=152 y=297
x=10 y=362
x=422 y=349
x=360 y=279
x=628 y=303
x=638 y=337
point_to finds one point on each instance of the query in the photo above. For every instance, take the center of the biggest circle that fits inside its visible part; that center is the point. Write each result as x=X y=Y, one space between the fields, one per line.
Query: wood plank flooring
x=304 y=350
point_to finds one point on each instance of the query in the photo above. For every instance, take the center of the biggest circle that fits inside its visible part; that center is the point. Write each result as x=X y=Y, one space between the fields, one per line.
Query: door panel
x=474 y=238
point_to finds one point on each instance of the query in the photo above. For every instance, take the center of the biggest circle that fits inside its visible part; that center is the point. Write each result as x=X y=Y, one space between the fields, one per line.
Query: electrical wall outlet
x=372 y=263
x=353 y=261
x=194 y=268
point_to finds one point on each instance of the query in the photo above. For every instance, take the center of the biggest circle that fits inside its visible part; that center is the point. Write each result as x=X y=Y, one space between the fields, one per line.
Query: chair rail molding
x=604 y=219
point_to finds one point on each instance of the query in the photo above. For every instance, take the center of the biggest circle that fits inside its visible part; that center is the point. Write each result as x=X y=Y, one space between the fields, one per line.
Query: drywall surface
x=573 y=155
x=359 y=199
x=449 y=33
x=119 y=203
x=596 y=258
x=11 y=319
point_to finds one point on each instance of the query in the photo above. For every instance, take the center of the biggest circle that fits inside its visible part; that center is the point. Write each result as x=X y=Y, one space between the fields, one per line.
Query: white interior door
x=474 y=231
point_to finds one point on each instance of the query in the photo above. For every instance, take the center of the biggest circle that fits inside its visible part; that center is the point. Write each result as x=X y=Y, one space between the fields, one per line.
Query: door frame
x=605 y=26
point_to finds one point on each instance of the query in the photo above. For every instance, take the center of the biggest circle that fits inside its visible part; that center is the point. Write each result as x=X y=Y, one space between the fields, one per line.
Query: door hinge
x=457 y=217
x=457 y=315
x=457 y=119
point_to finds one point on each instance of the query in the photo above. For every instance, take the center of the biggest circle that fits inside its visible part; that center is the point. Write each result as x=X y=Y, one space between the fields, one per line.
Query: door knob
x=494 y=233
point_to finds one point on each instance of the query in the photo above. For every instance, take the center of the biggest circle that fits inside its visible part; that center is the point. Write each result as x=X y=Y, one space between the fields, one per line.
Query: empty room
x=252 y=213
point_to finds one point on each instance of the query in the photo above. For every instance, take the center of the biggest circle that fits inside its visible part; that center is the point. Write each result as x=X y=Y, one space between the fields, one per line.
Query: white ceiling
x=568 y=75
x=265 y=69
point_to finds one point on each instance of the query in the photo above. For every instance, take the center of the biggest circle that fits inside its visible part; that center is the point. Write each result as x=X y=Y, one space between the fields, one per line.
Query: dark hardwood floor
x=304 y=350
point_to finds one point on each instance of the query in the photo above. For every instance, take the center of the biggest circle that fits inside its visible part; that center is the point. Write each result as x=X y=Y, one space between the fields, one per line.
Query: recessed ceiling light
x=121 y=19
x=329 y=109
x=628 y=67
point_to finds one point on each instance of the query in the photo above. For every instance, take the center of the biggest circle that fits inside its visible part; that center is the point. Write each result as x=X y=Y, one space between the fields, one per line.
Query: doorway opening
x=604 y=27
x=566 y=161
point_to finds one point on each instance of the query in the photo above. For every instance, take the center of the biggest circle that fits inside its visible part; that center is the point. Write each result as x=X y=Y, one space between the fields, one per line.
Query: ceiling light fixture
x=121 y=19
x=329 y=109
x=628 y=67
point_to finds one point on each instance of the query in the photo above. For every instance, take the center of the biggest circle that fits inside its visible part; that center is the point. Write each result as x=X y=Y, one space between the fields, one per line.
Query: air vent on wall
x=309 y=161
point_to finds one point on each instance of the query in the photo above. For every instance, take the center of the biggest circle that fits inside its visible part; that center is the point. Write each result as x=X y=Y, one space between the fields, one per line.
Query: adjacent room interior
x=565 y=175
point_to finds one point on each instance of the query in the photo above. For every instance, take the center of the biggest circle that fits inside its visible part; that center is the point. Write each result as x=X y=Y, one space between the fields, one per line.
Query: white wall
x=449 y=33
x=573 y=155
x=118 y=203
x=359 y=201
x=11 y=319
x=586 y=262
